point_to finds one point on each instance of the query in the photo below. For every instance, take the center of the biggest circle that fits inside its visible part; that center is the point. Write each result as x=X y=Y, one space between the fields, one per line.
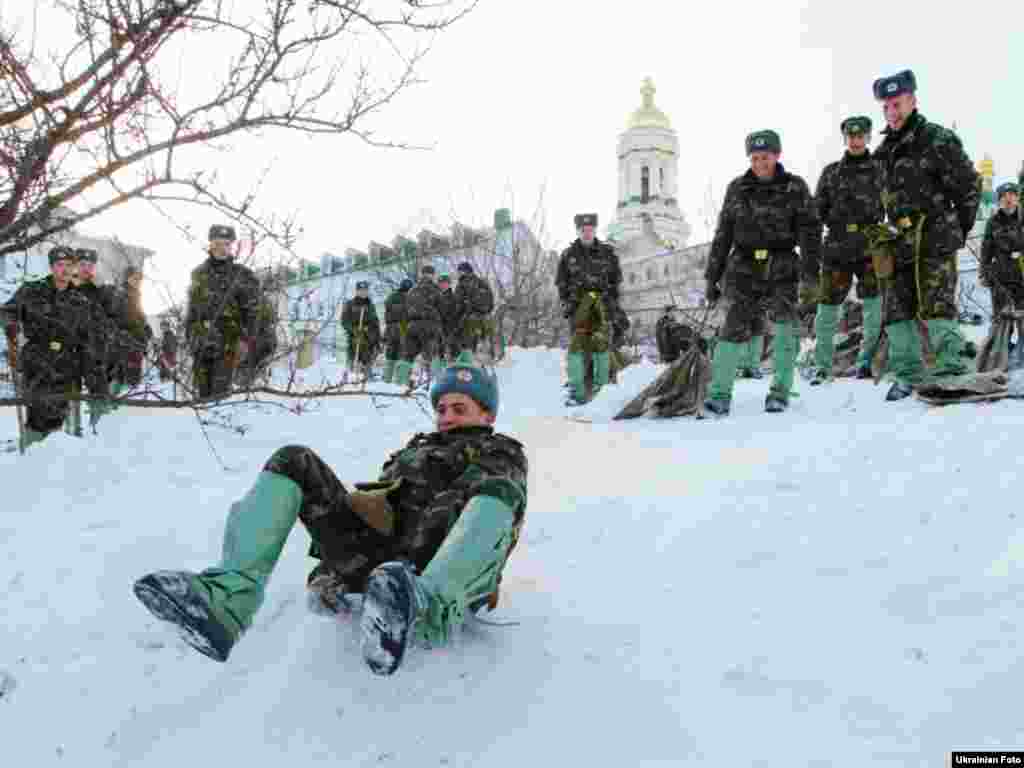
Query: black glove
x=712 y=293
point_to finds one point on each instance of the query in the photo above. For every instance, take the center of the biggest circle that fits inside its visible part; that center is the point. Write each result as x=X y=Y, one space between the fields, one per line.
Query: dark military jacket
x=110 y=305
x=423 y=304
x=848 y=198
x=582 y=270
x=60 y=327
x=473 y=296
x=223 y=299
x=925 y=171
x=774 y=215
x=370 y=322
x=672 y=338
x=1002 y=250
x=394 y=308
x=449 y=312
x=440 y=472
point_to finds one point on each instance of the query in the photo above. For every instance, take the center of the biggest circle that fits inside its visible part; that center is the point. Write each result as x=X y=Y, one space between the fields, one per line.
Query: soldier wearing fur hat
x=767 y=213
x=360 y=321
x=58 y=324
x=426 y=542
x=223 y=301
x=424 y=327
x=395 y=327
x=1001 y=264
x=931 y=196
x=849 y=201
x=474 y=303
x=588 y=281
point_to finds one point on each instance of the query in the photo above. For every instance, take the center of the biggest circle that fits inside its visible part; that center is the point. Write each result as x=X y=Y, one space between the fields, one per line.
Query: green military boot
x=460 y=577
x=389 y=370
x=824 y=346
x=465 y=358
x=602 y=369
x=948 y=344
x=403 y=373
x=577 y=385
x=872 y=331
x=784 y=350
x=723 y=375
x=750 y=361
x=213 y=608
x=905 y=360
x=30 y=437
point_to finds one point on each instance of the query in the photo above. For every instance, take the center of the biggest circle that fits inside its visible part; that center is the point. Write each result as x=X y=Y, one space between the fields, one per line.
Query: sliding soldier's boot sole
x=390 y=608
x=173 y=596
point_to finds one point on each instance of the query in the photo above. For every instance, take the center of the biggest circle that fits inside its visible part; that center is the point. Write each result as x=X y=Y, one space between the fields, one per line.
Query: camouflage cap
x=88 y=255
x=894 y=85
x=222 y=232
x=60 y=253
x=584 y=220
x=1010 y=186
x=131 y=271
x=467 y=269
x=362 y=285
x=763 y=141
x=854 y=126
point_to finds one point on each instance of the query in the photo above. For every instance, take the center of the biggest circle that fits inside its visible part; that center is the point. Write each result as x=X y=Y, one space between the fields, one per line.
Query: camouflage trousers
x=1007 y=295
x=341 y=539
x=834 y=283
x=367 y=351
x=749 y=302
x=44 y=376
x=475 y=328
x=591 y=330
x=421 y=339
x=393 y=343
x=213 y=375
x=923 y=288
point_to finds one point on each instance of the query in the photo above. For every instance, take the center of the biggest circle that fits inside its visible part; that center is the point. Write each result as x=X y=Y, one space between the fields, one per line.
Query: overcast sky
x=533 y=94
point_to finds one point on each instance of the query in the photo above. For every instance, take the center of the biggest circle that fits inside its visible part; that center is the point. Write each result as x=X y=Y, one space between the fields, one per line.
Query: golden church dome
x=647 y=115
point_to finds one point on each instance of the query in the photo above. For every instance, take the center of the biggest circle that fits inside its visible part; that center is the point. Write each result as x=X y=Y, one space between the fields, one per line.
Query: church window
x=645 y=184
x=661 y=180
x=650 y=273
x=666 y=270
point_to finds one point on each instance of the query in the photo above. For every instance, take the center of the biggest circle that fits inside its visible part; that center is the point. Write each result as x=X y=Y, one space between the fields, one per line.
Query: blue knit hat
x=467 y=380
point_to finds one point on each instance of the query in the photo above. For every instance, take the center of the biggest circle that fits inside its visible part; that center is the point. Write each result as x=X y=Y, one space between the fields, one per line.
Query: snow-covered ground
x=840 y=585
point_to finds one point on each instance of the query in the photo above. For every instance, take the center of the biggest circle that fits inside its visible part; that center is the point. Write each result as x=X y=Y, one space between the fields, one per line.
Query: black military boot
x=751 y=373
x=864 y=372
x=775 y=403
x=718 y=407
x=820 y=377
x=898 y=391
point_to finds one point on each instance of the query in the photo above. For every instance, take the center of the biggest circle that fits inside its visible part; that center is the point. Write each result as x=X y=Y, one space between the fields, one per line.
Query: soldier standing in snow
x=449 y=331
x=168 y=350
x=1001 y=267
x=60 y=325
x=849 y=201
x=767 y=212
x=395 y=328
x=588 y=281
x=423 y=333
x=425 y=543
x=474 y=302
x=221 y=316
x=931 y=196
x=360 y=321
x=110 y=308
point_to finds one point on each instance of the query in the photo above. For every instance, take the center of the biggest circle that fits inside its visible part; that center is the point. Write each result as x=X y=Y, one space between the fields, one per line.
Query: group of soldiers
x=427 y=319
x=67 y=335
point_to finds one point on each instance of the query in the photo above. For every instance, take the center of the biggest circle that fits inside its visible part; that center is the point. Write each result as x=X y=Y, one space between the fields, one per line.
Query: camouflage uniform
x=223 y=301
x=135 y=335
x=395 y=329
x=61 y=329
x=449 y=324
x=168 y=353
x=849 y=202
x=1002 y=260
x=759 y=226
x=474 y=302
x=423 y=315
x=264 y=342
x=931 y=195
x=360 y=321
x=588 y=281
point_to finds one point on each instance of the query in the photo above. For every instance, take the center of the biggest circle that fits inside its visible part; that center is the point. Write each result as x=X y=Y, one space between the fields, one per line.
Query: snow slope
x=840 y=585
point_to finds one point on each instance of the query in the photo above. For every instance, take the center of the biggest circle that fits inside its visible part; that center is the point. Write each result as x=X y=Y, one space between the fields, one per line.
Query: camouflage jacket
x=440 y=472
x=350 y=319
x=473 y=296
x=775 y=215
x=169 y=344
x=925 y=171
x=223 y=298
x=582 y=269
x=59 y=326
x=848 y=197
x=1002 y=249
x=423 y=304
x=394 y=308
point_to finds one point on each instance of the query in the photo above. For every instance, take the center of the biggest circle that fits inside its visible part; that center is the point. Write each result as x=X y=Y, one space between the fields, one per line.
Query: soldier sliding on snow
x=425 y=543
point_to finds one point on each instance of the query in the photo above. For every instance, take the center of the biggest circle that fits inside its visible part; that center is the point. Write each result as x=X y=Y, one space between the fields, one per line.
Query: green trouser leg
x=73 y=421
x=465 y=358
x=602 y=368
x=256 y=530
x=574 y=363
x=403 y=372
x=436 y=367
x=825 y=331
x=753 y=351
x=947 y=343
x=29 y=437
x=905 y=362
x=465 y=569
x=389 y=370
x=724 y=364
x=784 y=350
x=872 y=330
